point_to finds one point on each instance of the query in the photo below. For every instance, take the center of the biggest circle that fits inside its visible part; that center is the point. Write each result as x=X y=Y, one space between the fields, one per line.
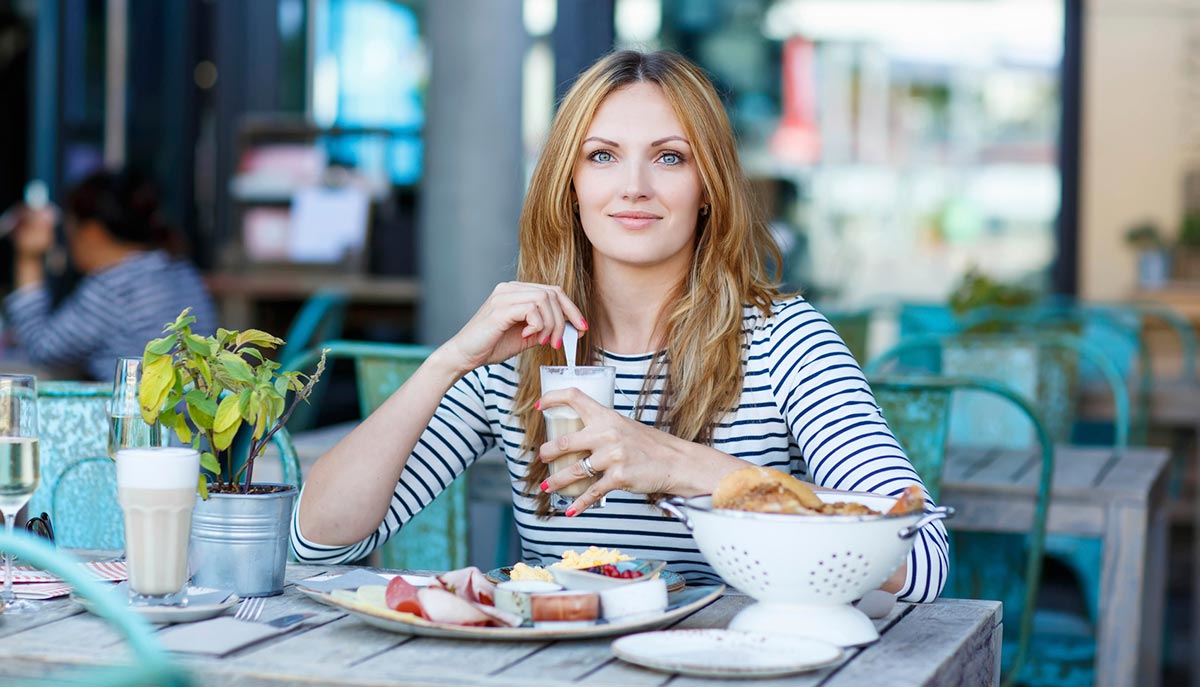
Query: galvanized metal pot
x=240 y=541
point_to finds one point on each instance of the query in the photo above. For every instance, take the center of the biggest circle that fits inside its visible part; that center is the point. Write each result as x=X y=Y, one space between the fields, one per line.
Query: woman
x=130 y=286
x=637 y=229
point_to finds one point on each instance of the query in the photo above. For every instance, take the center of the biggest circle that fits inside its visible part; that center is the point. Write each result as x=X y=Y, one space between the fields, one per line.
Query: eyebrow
x=653 y=144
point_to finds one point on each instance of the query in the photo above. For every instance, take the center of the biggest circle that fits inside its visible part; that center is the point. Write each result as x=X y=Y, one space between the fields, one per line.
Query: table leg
x=1122 y=590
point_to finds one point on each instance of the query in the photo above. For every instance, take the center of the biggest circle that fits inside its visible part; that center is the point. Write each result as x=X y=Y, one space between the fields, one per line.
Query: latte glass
x=156 y=488
x=595 y=381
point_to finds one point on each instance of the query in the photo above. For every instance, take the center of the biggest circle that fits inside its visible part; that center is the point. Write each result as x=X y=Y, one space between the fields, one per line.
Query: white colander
x=804 y=570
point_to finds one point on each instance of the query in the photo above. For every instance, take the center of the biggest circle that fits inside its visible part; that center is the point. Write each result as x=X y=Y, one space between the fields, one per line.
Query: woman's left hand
x=631 y=456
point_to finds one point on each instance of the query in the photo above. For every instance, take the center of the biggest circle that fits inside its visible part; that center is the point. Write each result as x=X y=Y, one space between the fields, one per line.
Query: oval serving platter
x=679 y=605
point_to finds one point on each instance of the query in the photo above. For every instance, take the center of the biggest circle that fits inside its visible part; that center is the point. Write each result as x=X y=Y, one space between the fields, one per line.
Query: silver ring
x=587 y=467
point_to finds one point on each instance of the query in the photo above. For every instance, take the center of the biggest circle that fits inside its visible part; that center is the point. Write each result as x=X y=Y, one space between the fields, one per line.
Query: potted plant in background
x=207 y=390
x=1187 y=247
x=1153 y=254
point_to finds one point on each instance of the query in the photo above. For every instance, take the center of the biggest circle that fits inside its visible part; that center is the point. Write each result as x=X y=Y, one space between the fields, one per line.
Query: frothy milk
x=157 y=491
x=597 y=383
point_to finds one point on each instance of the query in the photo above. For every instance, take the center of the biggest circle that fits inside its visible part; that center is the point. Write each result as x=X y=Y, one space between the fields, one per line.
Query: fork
x=251 y=609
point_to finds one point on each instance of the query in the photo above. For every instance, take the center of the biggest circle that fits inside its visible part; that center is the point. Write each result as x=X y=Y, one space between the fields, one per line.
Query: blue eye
x=671 y=159
x=601 y=156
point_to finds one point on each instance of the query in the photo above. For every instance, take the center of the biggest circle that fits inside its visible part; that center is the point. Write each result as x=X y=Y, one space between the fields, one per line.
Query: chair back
x=854 y=328
x=151 y=664
x=78 y=482
x=320 y=319
x=437 y=537
x=1048 y=383
x=918 y=411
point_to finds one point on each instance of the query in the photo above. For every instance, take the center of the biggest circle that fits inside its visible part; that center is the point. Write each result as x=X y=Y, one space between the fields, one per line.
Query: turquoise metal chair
x=320 y=319
x=918 y=411
x=78 y=481
x=1053 y=371
x=854 y=328
x=437 y=538
x=152 y=666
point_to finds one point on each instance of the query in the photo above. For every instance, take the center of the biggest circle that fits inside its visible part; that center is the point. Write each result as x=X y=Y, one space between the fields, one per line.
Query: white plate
x=725 y=653
x=680 y=605
x=176 y=614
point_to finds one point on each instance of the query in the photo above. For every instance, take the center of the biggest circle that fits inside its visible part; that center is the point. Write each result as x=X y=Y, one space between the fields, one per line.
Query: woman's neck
x=632 y=302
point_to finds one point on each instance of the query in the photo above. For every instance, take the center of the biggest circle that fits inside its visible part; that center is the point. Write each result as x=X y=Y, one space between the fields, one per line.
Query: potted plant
x=1153 y=254
x=1187 y=248
x=217 y=393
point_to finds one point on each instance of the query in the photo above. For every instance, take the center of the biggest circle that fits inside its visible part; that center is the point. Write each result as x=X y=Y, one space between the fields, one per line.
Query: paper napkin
x=351 y=580
x=218 y=636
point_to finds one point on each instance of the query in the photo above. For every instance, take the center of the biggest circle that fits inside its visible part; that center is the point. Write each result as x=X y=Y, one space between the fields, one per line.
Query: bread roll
x=764 y=490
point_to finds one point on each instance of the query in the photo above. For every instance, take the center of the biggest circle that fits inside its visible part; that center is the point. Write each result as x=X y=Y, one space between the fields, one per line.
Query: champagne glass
x=126 y=428
x=19 y=472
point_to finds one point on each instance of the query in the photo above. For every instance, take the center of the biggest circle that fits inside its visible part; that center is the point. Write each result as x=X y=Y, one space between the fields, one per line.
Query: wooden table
x=951 y=642
x=1119 y=499
x=1174 y=410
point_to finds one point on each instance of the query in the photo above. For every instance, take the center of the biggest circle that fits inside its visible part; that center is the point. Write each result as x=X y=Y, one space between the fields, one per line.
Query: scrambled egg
x=588 y=559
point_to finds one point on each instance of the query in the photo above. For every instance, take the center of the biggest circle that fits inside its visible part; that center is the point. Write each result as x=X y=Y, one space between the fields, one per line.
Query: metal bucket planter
x=240 y=541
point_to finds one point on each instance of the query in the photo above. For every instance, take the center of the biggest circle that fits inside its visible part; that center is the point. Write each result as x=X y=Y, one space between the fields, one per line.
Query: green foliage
x=1145 y=236
x=978 y=291
x=207 y=388
x=1189 y=232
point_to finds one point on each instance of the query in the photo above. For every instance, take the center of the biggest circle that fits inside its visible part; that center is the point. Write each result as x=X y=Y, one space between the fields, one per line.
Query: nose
x=637 y=186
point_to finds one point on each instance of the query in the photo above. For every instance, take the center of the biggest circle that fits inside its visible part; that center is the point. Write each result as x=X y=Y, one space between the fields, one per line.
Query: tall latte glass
x=597 y=382
x=157 y=491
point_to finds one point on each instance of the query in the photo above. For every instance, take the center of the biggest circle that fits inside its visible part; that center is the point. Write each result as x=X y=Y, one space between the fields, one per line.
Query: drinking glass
x=598 y=383
x=19 y=471
x=126 y=428
x=156 y=488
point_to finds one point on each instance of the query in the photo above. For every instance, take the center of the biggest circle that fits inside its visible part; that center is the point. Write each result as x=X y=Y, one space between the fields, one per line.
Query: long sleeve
x=68 y=335
x=456 y=436
x=840 y=430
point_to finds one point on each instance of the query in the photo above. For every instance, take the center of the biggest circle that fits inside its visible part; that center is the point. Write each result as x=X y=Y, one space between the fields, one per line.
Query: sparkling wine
x=19 y=474
x=131 y=431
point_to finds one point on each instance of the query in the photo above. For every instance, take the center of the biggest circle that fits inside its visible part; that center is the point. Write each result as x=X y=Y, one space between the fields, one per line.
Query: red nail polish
x=545 y=486
x=571 y=512
x=537 y=405
x=584 y=322
x=558 y=343
x=545 y=340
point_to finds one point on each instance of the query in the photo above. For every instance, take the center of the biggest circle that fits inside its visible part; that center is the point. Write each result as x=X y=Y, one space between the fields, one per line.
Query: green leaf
x=223 y=440
x=157 y=378
x=258 y=337
x=202 y=487
x=197 y=344
x=282 y=384
x=227 y=416
x=208 y=461
x=244 y=400
x=182 y=429
x=237 y=368
x=202 y=408
x=162 y=346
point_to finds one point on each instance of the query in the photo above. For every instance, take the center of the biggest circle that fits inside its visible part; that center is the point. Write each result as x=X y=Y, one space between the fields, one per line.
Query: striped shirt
x=805 y=408
x=110 y=313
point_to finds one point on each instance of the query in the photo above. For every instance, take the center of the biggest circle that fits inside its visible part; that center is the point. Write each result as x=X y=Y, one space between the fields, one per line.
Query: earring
x=704 y=210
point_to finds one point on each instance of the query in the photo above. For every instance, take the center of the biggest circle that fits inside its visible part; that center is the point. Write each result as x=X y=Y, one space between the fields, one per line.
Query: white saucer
x=177 y=614
x=725 y=653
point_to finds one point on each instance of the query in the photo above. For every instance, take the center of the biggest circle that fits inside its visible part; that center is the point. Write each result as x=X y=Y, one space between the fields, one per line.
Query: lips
x=635 y=219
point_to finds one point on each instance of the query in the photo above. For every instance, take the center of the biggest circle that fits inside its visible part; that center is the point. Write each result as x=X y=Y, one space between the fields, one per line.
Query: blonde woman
x=638 y=230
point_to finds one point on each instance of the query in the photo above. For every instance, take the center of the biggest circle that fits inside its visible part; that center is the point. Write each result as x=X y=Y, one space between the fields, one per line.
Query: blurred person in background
x=131 y=286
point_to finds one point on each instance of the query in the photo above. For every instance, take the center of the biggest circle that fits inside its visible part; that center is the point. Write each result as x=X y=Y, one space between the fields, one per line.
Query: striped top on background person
x=805 y=407
x=110 y=313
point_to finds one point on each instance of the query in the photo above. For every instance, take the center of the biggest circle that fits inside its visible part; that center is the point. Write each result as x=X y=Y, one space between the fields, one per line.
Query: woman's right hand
x=516 y=316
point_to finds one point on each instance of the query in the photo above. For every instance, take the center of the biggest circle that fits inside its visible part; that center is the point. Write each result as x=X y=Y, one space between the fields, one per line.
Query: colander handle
x=938 y=513
x=672 y=505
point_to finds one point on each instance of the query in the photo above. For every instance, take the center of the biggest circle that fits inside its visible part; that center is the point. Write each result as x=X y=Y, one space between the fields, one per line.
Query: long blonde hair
x=702 y=324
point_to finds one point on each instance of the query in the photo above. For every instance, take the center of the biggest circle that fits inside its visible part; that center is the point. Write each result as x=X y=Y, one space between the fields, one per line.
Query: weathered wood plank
x=815 y=678
x=430 y=658
x=50 y=611
x=962 y=462
x=1121 y=594
x=935 y=644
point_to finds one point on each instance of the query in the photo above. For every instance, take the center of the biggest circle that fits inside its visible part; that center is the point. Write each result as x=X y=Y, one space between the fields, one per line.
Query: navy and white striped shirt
x=110 y=313
x=805 y=408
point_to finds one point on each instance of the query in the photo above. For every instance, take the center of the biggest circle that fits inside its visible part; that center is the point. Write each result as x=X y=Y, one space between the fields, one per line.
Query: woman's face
x=636 y=182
